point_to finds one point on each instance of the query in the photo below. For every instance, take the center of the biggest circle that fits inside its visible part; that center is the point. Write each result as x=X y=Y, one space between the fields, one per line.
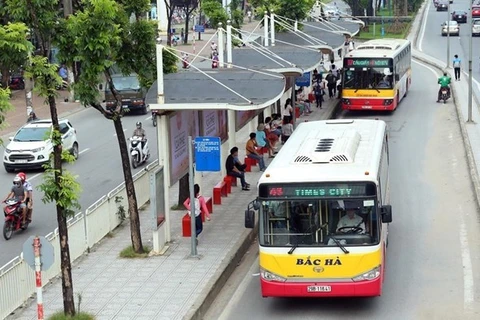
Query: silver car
x=476 y=27
x=450 y=27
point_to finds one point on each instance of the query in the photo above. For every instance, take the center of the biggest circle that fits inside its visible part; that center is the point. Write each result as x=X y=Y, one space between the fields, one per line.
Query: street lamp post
x=448 y=35
x=470 y=71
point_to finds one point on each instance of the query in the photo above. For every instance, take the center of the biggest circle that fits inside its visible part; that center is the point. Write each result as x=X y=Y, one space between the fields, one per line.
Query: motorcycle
x=154 y=117
x=16 y=82
x=13 y=218
x=444 y=95
x=139 y=155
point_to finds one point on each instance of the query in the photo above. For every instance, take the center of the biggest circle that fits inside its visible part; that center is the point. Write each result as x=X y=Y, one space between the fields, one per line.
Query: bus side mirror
x=249 y=219
x=386 y=213
x=256 y=205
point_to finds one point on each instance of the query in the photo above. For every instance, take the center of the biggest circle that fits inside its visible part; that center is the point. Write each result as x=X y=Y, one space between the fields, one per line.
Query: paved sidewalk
x=18 y=116
x=172 y=286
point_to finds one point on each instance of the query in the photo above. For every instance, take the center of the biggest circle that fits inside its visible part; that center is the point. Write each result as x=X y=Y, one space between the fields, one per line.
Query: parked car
x=476 y=11
x=476 y=27
x=32 y=146
x=442 y=5
x=450 y=27
x=460 y=16
x=131 y=92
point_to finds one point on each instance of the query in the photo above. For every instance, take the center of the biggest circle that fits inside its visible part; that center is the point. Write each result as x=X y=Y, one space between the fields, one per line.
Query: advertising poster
x=214 y=123
x=243 y=117
x=182 y=124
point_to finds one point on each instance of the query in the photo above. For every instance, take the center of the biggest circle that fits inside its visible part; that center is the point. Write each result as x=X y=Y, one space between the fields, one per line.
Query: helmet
x=444 y=73
x=22 y=176
x=139 y=125
x=17 y=181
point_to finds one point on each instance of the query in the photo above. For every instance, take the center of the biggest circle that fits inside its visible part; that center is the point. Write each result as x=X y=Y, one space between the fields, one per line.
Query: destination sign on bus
x=368 y=62
x=340 y=190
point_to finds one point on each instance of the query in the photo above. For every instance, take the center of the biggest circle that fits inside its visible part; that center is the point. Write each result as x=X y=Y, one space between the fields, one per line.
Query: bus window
x=368 y=78
x=315 y=222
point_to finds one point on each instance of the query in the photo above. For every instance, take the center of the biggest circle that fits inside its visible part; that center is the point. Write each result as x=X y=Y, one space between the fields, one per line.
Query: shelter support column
x=232 y=137
x=164 y=154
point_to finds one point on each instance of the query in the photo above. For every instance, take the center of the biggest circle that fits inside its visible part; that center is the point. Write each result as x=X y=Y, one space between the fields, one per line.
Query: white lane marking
x=34 y=176
x=149 y=118
x=426 y=66
x=422 y=32
x=239 y=292
x=468 y=285
x=84 y=150
x=124 y=130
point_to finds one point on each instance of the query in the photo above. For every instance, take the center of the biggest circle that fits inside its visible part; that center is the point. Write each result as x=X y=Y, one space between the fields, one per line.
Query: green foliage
x=215 y=12
x=66 y=193
x=129 y=253
x=39 y=15
x=14 y=46
x=78 y=316
x=5 y=106
x=295 y=10
x=45 y=75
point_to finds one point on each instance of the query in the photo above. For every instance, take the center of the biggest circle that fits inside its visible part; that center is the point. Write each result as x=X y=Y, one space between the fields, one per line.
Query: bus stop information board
x=207 y=153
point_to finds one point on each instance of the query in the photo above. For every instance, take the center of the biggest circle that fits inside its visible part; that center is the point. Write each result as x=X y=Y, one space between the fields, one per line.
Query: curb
x=215 y=285
x=475 y=179
x=60 y=116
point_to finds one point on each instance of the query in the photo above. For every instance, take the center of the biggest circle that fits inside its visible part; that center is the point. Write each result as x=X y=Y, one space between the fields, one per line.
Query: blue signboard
x=199 y=28
x=207 y=153
x=303 y=81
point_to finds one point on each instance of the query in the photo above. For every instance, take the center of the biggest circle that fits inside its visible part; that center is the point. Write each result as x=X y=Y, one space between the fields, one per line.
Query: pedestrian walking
x=457 y=64
x=200 y=206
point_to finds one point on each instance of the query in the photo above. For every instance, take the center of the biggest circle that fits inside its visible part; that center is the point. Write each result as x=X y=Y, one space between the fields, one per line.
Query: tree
x=215 y=12
x=189 y=6
x=101 y=38
x=170 y=5
x=295 y=10
x=5 y=106
x=41 y=17
x=14 y=48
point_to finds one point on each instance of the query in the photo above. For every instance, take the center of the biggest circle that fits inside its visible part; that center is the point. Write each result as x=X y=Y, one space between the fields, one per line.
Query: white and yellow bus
x=376 y=75
x=325 y=169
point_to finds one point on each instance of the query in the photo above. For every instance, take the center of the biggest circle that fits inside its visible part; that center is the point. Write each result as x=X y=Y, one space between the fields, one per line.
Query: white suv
x=32 y=146
x=476 y=27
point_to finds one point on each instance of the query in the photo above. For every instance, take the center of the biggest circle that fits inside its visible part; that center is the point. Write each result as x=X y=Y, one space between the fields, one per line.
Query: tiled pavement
x=172 y=286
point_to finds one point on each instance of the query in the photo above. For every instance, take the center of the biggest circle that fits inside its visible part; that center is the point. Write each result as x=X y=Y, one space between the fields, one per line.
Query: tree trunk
x=5 y=76
x=184 y=191
x=187 y=18
x=29 y=94
x=65 y=263
x=130 y=187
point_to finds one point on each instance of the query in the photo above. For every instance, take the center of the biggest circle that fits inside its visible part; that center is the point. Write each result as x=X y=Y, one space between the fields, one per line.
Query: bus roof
x=379 y=48
x=329 y=150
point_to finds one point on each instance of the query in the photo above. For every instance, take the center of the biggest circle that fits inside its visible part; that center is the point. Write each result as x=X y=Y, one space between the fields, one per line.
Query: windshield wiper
x=295 y=246
x=339 y=244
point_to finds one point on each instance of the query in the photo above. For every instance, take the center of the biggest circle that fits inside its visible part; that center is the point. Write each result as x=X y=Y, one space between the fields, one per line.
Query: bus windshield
x=319 y=222
x=366 y=73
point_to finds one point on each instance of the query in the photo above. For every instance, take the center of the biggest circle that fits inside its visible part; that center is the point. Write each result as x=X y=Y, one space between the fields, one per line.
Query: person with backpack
x=331 y=84
x=318 y=90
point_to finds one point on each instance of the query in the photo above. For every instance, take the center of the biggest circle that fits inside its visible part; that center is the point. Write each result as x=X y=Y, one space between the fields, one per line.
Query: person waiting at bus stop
x=351 y=223
x=236 y=169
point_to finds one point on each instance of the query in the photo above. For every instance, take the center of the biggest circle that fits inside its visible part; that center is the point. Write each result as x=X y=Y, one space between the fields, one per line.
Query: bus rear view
x=323 y=212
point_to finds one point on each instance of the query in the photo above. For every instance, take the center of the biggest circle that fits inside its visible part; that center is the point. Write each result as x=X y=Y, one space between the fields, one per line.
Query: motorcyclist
x=444 y=83
x=140 y=132
x=18 y=192
x=29 y=189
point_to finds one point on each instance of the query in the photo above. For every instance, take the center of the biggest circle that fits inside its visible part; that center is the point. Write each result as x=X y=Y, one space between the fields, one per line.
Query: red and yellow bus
x=327 y=172
x=376 y=75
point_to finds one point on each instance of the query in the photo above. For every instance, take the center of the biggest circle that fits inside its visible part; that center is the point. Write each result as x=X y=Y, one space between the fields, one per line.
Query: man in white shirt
x=349 y=221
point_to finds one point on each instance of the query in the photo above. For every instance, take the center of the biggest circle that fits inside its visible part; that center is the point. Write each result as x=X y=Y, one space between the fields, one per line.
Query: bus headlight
x=369 y=275
x=346 y=101
x=387 y=102
x=269 y=276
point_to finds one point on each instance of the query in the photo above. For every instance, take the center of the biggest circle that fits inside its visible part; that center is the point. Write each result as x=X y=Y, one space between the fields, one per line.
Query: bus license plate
x=319 y=289
x=366 y=107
